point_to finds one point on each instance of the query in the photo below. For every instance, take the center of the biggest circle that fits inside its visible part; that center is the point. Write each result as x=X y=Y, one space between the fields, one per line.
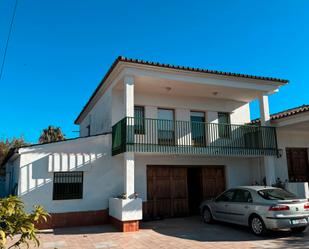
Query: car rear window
x=276 y=194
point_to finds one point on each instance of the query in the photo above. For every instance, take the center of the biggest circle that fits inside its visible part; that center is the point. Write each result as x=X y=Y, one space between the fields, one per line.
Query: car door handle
x=246 y=207
x=226 y=205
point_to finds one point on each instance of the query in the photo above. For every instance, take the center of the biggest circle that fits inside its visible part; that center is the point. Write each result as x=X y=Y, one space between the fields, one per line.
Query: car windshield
x=276 y=194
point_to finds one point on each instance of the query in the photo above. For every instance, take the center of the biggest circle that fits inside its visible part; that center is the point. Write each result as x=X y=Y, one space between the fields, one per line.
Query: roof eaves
x=286 y=113
x=66 y=140
x=150 y=63
x=157 y=64
x=98 y=87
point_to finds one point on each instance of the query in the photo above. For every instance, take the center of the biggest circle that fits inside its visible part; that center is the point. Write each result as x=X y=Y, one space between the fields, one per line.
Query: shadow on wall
x=102 y=176
x=39 y=173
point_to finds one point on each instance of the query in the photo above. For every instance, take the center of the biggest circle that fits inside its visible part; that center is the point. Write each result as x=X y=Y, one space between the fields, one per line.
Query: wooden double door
x=298 y=165
x=174 y=191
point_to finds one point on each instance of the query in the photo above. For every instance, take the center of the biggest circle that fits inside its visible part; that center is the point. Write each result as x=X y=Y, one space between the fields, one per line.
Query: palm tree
x=51 y=134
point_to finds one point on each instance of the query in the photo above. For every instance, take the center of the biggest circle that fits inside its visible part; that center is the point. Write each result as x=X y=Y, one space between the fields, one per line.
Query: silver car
x=261 y=208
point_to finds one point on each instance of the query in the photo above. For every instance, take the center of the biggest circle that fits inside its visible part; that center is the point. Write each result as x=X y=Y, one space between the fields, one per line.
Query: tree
x=14 y=221
x=51 y=134
x=7 y=145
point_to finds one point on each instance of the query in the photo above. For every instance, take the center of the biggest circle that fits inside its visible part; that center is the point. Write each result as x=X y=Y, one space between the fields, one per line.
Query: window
x=139 y=120
x=166 y=135
x=242 y=196
x=198 y=128
x=88 y=130
x=88 y=127
x=224 y=124
x=68 y=185
x=226 y=196
x=253 y=137
x=276 y=194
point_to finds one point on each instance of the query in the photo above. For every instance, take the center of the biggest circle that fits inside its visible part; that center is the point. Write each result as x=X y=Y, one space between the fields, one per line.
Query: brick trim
x=125 y=226
x=72 y=219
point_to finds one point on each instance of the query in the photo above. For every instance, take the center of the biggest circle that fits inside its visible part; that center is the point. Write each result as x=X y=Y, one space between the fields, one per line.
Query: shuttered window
x=198 y=128
x=166 y=127
x=224 y=124
x=139 y=120
x=68 y=185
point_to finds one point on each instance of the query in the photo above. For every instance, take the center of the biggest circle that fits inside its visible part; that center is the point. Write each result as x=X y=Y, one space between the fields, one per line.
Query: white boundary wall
x=103 y=174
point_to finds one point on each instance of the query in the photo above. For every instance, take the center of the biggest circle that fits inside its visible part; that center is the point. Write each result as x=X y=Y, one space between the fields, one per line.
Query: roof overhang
x=299 y=122
x=293 y=116
x=149 y=70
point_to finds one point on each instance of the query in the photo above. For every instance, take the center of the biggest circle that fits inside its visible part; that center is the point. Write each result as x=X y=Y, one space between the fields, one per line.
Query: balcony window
x=88 y=130
x=198 y=128
x=166 y=130
x=88 y=127
x=224 y=128
x=68 y=185
x=139 y=120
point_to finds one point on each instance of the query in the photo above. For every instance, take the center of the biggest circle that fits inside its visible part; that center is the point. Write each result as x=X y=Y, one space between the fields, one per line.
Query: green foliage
x=7 y=145
x=14 y=221
x=51 y=134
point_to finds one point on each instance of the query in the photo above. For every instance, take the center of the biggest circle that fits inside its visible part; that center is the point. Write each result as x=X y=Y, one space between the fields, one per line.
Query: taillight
x=306 y=206
x=279 y=208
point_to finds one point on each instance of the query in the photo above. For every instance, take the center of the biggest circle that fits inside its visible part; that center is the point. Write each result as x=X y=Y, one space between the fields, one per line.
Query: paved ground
x=171 y=233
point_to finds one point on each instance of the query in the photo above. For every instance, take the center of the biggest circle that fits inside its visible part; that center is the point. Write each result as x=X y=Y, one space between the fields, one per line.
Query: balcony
x=185 y=137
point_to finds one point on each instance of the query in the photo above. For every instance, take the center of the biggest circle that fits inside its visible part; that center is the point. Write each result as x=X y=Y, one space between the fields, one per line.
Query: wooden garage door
x=298 y=167
x=167 y=189
x=167 y=193
x=213 y=181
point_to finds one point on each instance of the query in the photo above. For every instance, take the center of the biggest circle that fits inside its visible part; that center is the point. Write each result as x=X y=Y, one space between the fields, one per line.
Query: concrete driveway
x=170 y=233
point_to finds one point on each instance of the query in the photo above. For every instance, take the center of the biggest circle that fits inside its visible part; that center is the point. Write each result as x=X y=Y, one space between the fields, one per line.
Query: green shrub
x=14 y=221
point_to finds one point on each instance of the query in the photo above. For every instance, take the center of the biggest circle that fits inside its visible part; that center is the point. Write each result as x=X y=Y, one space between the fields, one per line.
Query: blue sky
x=60 y=50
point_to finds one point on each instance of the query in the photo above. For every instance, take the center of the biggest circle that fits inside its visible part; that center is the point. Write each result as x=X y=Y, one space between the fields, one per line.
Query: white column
x=151 y=135
x=269 y=166
x=264 y=110
x=269 y=161
x=212 y=117
x=129 y=173
x=129 y=96
x=183 y=136
x=129 y=156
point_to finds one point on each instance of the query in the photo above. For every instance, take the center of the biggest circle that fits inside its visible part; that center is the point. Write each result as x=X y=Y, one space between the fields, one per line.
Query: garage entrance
x=174 y=191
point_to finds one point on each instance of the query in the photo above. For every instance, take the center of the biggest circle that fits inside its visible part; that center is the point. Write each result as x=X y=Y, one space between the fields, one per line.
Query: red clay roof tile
x=286 y=113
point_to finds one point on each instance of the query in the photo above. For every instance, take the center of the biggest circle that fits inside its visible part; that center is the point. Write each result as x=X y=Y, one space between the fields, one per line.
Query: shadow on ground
x=192 y=228
x=177 y=231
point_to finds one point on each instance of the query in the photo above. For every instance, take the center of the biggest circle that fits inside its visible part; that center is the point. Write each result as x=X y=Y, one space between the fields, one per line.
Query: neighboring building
x=173 y=135
x=293 y=142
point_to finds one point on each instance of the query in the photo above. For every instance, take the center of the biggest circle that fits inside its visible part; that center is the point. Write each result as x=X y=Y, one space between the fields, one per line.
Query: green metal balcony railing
x=185 y=137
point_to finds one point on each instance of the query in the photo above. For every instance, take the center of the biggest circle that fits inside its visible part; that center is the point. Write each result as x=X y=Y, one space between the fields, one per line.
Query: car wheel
x=257 y=225
x=298 y=229
x=207 y=216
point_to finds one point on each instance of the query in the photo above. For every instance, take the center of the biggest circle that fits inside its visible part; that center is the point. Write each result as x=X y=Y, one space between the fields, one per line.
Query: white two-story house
x=159 y=137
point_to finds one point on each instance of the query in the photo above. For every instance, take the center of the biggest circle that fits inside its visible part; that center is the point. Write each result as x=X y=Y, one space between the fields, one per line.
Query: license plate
x=299 y=221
